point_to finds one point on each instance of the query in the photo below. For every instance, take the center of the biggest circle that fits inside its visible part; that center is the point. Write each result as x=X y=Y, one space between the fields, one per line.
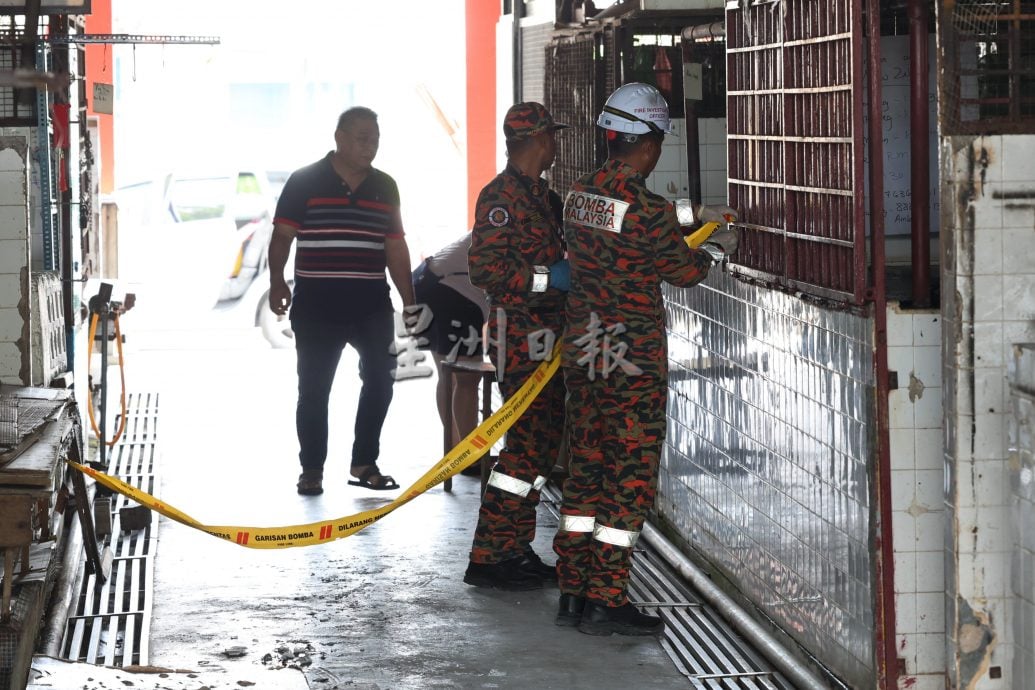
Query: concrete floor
x=385 y=608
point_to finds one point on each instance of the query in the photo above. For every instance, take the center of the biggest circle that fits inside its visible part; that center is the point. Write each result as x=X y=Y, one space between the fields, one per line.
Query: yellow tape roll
x=698 y=236
x=465 y=454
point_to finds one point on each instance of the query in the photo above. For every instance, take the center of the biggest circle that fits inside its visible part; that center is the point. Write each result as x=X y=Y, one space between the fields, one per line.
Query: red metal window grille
x=989 y=78
x=794 y=122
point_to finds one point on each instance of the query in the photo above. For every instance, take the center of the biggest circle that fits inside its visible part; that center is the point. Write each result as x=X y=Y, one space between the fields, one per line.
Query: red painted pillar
x=99 y=70
x=919 y=164
x=482 y=17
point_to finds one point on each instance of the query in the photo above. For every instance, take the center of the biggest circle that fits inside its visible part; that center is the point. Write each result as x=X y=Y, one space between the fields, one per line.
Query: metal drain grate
x=112 y=620
x=700 y=643
x=698 y=640
x=141 y=418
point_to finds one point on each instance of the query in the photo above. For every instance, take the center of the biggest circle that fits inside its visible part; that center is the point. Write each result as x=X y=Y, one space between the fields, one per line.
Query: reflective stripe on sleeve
x=618 y=537
x=511 y=485
x=577 y=523
x=540 y=278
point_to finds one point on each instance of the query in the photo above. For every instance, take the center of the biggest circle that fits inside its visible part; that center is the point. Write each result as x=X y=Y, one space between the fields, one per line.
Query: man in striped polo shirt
x=345 y=216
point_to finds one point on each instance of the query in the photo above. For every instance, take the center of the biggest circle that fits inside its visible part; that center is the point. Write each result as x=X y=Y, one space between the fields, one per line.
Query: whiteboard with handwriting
x=895 y=108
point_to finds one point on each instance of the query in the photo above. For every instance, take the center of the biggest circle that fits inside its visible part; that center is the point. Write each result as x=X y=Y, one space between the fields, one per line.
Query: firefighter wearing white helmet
x=623 y=243
x=635 y=109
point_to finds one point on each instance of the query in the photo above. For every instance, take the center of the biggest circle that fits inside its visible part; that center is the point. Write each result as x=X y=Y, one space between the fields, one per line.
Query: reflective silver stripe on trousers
x=509 y=484
x=577 y=523
x=618 y=537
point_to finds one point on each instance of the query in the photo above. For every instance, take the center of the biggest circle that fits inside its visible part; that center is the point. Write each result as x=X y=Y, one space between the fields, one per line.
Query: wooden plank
x=24 y=443
x=40 y=557
x=32 y=600
x=16 y=521
x=82 y=506
x=40 y=459
x=35 y=568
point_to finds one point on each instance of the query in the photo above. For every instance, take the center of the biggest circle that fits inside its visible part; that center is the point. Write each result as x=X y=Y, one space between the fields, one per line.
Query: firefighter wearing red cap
x=517 y=256
x=623 y=242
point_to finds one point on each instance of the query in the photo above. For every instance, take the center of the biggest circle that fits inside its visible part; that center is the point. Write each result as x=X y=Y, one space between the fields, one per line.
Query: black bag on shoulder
x=424 y=281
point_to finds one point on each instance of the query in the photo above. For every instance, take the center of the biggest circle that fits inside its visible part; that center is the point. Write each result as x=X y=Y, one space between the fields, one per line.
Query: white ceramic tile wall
x=669 y=178
x=917 y=494
x=1021 y=454
x=782 y=506
x=988 y=306
x=712 y=135
x=14 y=258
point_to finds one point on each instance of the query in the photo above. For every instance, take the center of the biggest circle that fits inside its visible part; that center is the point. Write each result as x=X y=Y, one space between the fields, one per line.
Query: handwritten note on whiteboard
x=898 y=193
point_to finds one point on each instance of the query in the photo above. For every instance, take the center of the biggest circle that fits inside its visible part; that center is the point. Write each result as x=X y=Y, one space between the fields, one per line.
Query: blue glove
x=560 y=275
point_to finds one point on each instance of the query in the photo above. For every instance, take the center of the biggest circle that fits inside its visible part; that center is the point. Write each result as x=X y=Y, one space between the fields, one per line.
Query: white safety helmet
x=635 y=109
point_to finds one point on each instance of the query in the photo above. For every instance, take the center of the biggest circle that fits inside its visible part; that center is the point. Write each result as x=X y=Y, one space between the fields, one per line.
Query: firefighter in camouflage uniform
x=622 y=242
x=517 y=256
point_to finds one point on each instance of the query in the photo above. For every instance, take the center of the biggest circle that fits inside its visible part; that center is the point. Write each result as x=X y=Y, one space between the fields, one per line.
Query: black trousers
x=318 y=346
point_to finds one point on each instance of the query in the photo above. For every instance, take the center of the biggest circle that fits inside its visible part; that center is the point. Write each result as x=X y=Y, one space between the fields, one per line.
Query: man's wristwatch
x=540 y=278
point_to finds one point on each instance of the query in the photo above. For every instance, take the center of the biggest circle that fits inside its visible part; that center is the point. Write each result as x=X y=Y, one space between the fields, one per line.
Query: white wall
x=988 y=278
x=714 y=176
x=669 y=178
x=917 y=495
x=504 y=80
x=14 y=262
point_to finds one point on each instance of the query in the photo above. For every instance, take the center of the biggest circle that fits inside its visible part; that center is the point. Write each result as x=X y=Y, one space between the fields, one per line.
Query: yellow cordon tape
x=465 y=454
x=697 y=237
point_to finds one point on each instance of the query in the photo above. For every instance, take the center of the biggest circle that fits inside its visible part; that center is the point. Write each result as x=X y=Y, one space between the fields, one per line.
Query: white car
x=188 y=240
x=252 y=210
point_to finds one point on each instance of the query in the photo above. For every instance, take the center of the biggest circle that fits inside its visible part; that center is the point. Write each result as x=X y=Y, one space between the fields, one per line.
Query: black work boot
x=509 y=575
x=569 y=610
x=626 y=619
x=534 y=564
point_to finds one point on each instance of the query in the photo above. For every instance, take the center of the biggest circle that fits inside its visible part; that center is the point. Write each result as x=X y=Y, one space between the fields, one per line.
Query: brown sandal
x=371 y=478
x=310 y=484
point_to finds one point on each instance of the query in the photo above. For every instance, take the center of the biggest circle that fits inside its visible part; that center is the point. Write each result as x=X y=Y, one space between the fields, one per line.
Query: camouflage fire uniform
x=517 y=228
x=623 y=241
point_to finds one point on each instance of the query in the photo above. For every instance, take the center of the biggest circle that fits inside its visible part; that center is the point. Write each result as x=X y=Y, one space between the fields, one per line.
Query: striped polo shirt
x=340 y=241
